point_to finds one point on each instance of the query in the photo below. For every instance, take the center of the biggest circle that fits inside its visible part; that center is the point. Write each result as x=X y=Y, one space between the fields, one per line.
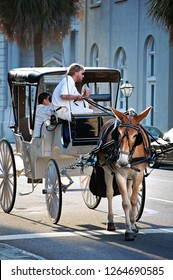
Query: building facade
x=113 y=33
x=119 y=33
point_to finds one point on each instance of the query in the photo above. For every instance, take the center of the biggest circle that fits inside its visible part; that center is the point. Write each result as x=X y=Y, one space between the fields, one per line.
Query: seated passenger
x=44 y=110
x=66 y=93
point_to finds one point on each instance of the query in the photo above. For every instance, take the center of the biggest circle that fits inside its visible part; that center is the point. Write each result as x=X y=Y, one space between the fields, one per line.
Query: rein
x=102 y=108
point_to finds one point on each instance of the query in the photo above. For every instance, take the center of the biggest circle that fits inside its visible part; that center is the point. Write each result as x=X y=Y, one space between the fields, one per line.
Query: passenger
x=66 y=93
x=44 y=110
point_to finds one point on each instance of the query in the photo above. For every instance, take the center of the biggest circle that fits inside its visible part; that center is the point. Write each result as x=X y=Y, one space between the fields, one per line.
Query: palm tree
x=162 y=11
x=34 y=23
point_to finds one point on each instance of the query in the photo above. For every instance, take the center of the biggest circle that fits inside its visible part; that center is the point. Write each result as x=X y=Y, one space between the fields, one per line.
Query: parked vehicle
x=168 y=136
x=162 y=143
x=154 y=132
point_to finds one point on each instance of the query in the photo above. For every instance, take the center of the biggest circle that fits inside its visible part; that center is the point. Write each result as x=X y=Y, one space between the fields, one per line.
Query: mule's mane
x=130 y=112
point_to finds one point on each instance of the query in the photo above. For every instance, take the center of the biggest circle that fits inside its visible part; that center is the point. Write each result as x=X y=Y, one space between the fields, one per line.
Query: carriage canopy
x=26 y=84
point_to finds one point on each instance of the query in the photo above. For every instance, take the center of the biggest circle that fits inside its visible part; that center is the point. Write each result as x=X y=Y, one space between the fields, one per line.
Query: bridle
x=141 y=138
x=126 y=134
x=111 y=149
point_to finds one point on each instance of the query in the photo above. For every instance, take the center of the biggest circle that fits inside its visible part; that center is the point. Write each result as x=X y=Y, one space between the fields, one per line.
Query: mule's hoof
x=135 y=231
x=129 y=236
x=110 y=227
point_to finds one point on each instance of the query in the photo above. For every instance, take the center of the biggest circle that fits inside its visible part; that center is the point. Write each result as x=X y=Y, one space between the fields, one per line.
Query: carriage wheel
x=53 y=191
x=7 y=176
x=141 y=200
x=90 y=200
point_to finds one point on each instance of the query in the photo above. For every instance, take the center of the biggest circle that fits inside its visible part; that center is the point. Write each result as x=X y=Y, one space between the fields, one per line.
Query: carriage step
x=48 y=191
x=30 y=181
x=44 y=191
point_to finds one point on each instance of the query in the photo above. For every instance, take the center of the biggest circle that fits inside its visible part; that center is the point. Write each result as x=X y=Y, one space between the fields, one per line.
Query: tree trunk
x=38 y=56
x=38 y=51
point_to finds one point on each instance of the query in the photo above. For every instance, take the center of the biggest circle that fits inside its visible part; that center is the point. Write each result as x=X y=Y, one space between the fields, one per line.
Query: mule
x=126 y=157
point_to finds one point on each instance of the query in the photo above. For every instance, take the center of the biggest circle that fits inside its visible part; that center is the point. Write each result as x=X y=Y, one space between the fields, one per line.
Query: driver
x=66 y=93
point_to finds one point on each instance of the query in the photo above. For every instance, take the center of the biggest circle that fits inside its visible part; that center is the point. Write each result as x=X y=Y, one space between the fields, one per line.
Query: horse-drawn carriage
x=64 y=149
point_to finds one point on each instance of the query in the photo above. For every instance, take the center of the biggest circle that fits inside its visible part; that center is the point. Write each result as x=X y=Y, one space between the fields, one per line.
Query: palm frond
x=22 y=20
x=161 y=11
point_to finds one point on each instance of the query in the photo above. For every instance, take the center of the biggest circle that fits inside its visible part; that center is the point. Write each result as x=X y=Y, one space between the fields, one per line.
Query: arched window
x=121 y=65
x=94 y=58
x=150 y=56
x=95 y=3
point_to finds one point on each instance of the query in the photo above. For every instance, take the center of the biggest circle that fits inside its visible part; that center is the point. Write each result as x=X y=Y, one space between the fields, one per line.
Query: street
x=27 y=233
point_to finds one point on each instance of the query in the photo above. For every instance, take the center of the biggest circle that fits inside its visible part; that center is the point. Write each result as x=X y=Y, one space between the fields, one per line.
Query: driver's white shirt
x=67 y=86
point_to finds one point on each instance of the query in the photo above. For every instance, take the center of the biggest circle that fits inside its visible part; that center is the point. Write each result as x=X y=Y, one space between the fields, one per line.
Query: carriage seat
x=83 y=129
x=24 y=128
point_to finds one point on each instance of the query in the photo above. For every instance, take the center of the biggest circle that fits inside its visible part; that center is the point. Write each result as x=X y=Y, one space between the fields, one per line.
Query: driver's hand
x=86 y=93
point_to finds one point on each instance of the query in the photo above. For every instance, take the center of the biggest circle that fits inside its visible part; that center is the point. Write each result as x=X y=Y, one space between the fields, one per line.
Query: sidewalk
x=8 y=252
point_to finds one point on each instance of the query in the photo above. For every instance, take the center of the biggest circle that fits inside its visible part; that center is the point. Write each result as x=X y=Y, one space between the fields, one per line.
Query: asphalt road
x=27 y=233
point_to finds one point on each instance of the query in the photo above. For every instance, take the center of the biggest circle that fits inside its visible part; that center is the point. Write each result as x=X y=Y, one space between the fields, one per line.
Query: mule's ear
x=143 y=115
x=119 y=115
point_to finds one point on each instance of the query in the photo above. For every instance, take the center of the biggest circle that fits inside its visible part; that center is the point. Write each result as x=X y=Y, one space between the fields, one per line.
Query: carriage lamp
x=126 y=89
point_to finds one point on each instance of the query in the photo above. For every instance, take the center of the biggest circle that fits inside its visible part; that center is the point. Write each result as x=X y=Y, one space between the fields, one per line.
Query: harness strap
x=139 y=160
x=102 y=108
x=101 y=145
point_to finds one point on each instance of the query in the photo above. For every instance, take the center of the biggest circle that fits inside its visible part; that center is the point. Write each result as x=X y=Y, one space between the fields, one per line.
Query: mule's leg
x=134 y=200
x=109 y=194
x=132 y=211
x=129 y=234
x=122 y=183
x=129 y=187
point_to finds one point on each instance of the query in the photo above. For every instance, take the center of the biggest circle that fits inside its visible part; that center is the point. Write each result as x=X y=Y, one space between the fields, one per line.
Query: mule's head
x=128 y=133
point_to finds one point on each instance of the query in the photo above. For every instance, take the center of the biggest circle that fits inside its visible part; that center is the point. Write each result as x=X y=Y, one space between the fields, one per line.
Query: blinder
x=115 y=134
x=139 y=139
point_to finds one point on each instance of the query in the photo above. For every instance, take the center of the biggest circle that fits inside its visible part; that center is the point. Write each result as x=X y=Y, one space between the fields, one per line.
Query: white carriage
x=64 y=149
